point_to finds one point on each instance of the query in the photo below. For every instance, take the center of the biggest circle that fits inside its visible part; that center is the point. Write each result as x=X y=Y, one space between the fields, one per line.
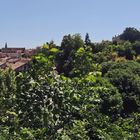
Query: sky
x=30 y=23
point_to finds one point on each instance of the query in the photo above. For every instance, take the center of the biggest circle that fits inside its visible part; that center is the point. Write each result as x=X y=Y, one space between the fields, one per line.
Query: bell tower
x=6 y=45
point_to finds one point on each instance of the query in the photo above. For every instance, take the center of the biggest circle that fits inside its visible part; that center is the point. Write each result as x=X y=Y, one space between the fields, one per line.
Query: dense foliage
x=77 y=91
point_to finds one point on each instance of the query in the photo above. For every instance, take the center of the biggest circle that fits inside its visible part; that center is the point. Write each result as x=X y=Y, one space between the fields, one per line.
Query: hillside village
x=17 y=59
x=80 y=90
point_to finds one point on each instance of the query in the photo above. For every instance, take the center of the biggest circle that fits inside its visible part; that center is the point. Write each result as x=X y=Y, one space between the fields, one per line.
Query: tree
x=136 y=47
x=126 y=50
x=126 y=78
x=130 y=34
x=69 y=46
x=74 y=91
x=87 y=39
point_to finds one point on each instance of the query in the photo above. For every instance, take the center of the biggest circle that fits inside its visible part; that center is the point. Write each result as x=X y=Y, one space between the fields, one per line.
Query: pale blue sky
x=29 y=23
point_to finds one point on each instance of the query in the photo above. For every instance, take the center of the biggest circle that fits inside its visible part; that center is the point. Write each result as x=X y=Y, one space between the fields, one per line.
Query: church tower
x=6 y=45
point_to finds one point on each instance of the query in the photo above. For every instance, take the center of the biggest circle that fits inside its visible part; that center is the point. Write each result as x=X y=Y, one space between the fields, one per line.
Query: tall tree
x=87 y=39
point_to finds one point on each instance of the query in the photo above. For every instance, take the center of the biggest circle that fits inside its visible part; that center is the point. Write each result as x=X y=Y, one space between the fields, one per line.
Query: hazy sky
x=29 y=23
